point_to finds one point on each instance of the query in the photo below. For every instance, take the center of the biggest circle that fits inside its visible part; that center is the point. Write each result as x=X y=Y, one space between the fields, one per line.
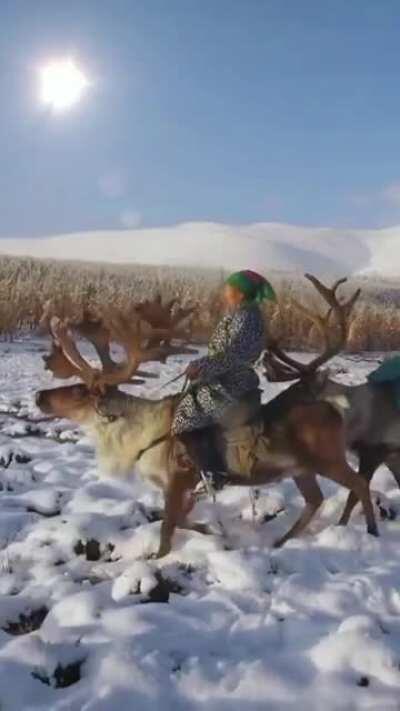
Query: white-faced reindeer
x=371 y=417
x=128 y=431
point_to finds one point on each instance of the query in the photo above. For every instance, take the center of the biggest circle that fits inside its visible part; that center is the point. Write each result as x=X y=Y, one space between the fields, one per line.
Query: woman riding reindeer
x=225 y=376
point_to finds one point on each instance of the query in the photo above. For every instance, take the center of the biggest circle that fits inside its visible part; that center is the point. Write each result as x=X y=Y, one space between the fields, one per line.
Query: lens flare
x=62 y=84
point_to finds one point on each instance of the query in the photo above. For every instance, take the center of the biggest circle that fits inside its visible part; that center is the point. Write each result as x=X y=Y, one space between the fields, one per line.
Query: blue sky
x=222 y=110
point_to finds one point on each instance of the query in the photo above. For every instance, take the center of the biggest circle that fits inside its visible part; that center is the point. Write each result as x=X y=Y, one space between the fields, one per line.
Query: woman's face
x=232 y=296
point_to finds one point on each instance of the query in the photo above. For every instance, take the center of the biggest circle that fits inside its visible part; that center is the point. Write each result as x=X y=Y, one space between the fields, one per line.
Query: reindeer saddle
x=231 y=446
x=239 y=433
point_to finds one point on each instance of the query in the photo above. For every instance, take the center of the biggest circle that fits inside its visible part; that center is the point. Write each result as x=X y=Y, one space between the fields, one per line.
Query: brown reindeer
x=371 y=416
x=297 y=441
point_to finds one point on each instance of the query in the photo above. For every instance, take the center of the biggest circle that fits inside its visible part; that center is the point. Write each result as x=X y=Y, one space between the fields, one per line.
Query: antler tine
x=92 y=327
x=337 y=283
x=137 y=339
x=328 y=294
x=159 y=346
x=276 y=370
x=160 y=315
x=349 y=305
x=63 y=338
x=321 y=322
x=57 y=363
x=134 y=333
x=171 y=303
x=181 y=315
x=128 y=331
x=297 y=366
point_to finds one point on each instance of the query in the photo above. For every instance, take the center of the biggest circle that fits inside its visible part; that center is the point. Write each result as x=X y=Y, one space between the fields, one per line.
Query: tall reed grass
x=27 y=284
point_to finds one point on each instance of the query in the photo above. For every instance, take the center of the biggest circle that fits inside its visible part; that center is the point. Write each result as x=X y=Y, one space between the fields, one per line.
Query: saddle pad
x=243 y=446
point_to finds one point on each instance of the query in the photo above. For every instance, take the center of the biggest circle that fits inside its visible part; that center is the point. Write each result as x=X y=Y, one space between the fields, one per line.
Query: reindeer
x=372 y=420
x=128 y=431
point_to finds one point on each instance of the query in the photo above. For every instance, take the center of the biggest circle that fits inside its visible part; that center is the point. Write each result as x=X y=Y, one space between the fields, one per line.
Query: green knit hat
x=254 y=286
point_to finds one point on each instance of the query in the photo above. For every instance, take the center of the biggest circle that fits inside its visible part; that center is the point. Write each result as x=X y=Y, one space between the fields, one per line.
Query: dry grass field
x=27 y=284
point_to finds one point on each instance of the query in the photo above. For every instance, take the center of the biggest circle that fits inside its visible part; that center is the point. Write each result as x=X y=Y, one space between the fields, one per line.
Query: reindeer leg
x=312 y=494
x=347 y=477
x=189 y=502
x=178 y=503
x=370 y=459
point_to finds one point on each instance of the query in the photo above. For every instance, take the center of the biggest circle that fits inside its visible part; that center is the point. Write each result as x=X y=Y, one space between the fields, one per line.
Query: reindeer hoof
x=373 y=531
x=279 y=543
x=201 y=528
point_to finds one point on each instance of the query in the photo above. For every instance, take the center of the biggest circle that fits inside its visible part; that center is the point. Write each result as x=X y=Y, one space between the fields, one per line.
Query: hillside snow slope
x=262 y=246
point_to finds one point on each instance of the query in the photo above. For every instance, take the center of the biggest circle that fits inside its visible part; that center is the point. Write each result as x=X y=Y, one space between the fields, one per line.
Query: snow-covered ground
x=263 y=246
x=89 y=621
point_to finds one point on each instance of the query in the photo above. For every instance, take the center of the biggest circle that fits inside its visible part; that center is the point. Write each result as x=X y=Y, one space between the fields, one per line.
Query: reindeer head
x=72 y=402
x=98 y=392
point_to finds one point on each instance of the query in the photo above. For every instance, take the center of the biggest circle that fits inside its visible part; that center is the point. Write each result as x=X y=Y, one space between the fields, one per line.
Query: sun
x=62 y=84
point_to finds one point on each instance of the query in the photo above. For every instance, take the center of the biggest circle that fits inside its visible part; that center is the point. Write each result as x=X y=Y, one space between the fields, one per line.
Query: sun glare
x=62 y=84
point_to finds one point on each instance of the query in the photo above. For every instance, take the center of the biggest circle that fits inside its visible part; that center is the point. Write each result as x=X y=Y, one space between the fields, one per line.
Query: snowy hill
x=264 y=246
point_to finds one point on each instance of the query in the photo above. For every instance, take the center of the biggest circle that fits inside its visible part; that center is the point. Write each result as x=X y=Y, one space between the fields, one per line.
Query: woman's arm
x=243 y=345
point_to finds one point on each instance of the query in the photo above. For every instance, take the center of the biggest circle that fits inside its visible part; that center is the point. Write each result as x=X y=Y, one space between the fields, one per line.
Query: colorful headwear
x=254 y=286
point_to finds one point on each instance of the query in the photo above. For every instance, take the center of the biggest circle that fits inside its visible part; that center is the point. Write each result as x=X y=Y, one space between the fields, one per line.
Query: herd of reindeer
x=309 y=427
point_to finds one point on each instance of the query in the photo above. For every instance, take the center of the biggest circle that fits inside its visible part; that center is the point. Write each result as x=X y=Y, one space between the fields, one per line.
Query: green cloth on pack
x=388 y=373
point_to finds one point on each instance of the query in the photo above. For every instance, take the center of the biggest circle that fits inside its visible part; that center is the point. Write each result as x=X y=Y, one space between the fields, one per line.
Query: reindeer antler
x=92 y=327
x=155 y=343
x=292 y=368
x=64 y=341
x=168 y=316
x=139 y=340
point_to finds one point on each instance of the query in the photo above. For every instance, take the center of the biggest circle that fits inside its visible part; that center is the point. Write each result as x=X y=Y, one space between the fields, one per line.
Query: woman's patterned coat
x=226 y=373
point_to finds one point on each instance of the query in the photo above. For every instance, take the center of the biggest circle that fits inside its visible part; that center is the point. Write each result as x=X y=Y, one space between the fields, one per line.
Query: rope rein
x=167 y=436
